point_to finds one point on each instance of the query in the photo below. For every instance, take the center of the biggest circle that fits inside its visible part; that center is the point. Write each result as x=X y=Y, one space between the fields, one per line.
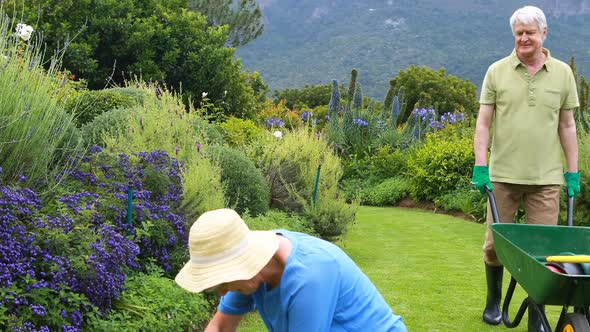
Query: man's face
x=528 y=39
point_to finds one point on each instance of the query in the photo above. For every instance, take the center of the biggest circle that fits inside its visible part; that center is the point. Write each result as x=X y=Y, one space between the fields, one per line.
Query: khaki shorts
x=541 y=204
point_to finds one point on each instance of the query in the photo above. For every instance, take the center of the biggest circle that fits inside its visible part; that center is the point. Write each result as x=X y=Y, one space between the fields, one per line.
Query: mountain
x=315 y=41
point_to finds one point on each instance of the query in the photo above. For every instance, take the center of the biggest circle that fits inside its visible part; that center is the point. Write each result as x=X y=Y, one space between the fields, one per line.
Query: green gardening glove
x=572 y=181
x=481 y=178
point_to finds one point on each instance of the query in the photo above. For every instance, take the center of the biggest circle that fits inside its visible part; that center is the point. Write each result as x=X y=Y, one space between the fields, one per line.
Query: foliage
x=152 y=302
x=275 y=219
x=70 y=251
x=466 y=199
x=308 y=96
x=153 y=39
x=57 y=264
x=89 y=104
x=245 y=188
x=101 y=186
x=335 y=104
x=388 y=192
x=110 y=123
x=278 y=116
x=162 y=123
x=259 y=87
x=35 y=130
x=388 y=102
x=426 y=88
x=444 y=160
x=352 y=84
x=201 y=187
x=237 y=132
x=330 y=217
x=132 y=92
x=357 y=98
x=385 y=163
x=358 y=131
x=243 y=17
x=291 y=165
x=582 y=201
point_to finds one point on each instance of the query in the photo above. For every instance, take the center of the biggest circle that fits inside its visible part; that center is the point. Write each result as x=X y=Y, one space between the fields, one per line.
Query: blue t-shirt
x=321 y=289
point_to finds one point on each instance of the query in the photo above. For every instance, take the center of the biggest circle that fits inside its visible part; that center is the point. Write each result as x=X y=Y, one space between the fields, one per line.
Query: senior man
x=528 y=98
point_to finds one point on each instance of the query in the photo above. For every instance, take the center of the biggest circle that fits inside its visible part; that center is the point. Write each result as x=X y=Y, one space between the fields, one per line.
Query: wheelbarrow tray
x=519 y=246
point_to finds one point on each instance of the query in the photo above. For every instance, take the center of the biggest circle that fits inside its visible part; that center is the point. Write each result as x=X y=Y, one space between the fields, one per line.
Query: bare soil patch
x=409 y=203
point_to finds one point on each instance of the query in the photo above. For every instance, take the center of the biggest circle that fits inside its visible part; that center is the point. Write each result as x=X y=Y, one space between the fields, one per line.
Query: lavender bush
x=65 y=256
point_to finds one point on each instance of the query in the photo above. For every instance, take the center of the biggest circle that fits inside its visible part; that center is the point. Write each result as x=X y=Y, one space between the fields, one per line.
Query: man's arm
x=223 y=323
x=567 y=136
x=482 y=133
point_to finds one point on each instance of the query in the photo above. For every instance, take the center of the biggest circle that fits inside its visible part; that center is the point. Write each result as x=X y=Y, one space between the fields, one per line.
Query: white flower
x=204 y=94
x=278 y=134
x=24 y=31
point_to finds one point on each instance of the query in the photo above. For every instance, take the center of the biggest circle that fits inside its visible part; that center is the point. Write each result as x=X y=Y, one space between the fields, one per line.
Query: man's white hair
x=528 y=15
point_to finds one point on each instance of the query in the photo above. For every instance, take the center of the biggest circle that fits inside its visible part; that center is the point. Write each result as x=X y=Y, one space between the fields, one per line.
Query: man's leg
x=507 y=202
x=541 y=204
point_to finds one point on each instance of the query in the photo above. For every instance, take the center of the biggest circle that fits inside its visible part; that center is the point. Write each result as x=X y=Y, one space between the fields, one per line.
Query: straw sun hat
x=223 y=249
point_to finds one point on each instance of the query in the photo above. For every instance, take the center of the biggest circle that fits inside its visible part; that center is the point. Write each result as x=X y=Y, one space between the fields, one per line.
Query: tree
x=425 y=88
x=156 y=40
x=243 y=17
x=309 y=96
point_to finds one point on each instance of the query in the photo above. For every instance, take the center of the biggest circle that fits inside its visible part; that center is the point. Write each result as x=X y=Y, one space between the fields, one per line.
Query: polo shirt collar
x=547 y=65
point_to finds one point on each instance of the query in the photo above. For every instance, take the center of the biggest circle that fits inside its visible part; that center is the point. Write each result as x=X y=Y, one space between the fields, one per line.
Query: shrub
x=582 y=201
x=56 y=268
x=114 y=122
x=35 y=129
x=388 y=192
x=201 y=188
x=132 y=92
x=162 y=123
x=152 y=302
x=88 y=104
x=352 y=189
x=330 y=217
x=238 y=132
x=444 y=160
x=464 y=198
x=275 y=219
x=290 y=165
x=244 y=185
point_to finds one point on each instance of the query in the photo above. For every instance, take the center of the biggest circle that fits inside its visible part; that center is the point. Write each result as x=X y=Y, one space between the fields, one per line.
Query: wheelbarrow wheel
x=574 y=322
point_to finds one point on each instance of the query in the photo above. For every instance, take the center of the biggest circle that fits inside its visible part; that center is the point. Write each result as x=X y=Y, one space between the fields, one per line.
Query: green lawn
x=427 y=266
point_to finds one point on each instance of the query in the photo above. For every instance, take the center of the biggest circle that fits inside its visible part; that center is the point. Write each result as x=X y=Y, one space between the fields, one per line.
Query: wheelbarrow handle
x=570 y=207
x=493 y=206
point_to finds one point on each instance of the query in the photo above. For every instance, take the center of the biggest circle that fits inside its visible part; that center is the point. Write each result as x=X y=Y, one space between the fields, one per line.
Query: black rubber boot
x=535 y=322
x=493 y=314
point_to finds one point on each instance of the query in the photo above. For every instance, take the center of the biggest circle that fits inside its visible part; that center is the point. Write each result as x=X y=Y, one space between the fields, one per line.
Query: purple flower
x=305 y=116
x=274 y=122
x=360 y=122
x=94 y=149
x=39 y=310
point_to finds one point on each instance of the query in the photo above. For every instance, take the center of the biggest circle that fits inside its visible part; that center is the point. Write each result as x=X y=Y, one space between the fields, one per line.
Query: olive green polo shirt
x=526 y=148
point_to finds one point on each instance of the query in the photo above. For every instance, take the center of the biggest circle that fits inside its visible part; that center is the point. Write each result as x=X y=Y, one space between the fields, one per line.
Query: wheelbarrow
x=525 y=250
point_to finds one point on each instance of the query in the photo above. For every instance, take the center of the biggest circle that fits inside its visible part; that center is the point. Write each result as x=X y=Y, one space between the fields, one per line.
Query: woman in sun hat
x=297 y=282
